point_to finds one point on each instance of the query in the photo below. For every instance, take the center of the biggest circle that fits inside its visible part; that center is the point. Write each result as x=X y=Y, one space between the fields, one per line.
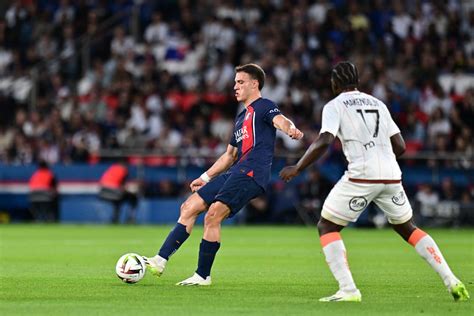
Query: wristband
x=204 y=177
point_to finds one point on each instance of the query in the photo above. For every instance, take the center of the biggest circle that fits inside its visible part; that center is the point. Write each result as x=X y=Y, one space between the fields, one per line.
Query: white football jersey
x=364 y=126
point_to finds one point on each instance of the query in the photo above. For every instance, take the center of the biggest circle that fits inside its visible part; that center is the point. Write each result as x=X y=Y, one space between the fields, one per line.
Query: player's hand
x=197 y=184
x=289 y=173
x=295 y=133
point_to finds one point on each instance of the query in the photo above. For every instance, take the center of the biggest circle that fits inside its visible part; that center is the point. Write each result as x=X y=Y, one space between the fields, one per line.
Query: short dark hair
x=345 y=75
x=255 y=71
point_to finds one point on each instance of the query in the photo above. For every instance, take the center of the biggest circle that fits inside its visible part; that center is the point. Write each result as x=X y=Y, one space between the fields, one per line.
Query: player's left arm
x=284 y=124
x=313 y=153
x=396 y=138
x=398 y=144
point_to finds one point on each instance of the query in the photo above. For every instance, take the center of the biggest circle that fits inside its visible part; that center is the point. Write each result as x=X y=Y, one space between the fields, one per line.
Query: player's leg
x=427 y=248
x=210 y=244
x=344 y=204
x=396 y=206
x=237 y=191
x=189 y=211
x=336 y=258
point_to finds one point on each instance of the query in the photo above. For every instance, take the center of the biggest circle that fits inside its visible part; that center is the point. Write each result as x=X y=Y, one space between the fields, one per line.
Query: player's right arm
x=313 y=153
x=330 y=126
x=224 y=162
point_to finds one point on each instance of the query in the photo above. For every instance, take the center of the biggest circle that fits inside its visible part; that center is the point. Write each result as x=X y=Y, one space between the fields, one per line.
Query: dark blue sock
x=174 y=240
x=207 y=253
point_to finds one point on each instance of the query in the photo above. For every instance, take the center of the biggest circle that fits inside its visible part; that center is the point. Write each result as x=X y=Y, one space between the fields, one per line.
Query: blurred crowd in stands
x=80 y=77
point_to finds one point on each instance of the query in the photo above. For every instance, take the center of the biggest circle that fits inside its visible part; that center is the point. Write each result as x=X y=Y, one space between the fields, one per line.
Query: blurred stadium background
x=83 y=83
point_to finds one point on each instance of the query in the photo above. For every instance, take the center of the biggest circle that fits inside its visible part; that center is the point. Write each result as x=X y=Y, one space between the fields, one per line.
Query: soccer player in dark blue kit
x=239 y=175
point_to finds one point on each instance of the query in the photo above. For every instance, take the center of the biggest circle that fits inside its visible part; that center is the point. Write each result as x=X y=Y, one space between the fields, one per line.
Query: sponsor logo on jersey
x=357 y=203
x=399 y=198
x=241 y=134
x=370 y=144
x=275 y=110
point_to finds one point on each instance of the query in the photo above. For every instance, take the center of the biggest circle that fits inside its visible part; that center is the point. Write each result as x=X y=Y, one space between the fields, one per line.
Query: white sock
x=160 y=260
x=427 y=248
x=335 y=252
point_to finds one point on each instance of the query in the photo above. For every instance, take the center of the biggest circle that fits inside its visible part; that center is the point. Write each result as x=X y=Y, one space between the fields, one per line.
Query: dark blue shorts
x=234 y=190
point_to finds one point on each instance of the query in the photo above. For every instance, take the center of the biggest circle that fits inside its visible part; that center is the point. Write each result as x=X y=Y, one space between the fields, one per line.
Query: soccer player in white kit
x=371 y=142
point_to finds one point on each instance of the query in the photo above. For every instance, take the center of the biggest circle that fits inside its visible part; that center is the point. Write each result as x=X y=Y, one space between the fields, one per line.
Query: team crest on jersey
x=357 y=203
x=399 y=198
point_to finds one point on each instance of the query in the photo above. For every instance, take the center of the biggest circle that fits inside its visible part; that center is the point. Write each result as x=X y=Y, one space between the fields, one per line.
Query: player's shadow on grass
x=134 y=285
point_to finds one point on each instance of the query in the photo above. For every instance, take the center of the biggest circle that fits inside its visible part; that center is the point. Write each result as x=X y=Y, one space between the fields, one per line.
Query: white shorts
x=347 y=200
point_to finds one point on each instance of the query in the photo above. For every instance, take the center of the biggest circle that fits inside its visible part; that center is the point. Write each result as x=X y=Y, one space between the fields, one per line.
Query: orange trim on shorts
x=328 y=238
x=374 y=181
x=416 y=236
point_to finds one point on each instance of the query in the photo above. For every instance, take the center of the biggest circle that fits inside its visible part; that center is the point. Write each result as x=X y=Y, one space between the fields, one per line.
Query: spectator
x=401 y=21
x=448 y=190
x=414 y=131
x=312 y=193
x=157 y=32
x=417 y=57
x=44 y=194
x=112 y=189
x=438 y=125
x=121 y=43
x=426 y=200
x=65 y=13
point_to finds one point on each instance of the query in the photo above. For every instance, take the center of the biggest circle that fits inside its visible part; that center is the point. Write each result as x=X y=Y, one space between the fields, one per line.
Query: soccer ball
x=130 y=268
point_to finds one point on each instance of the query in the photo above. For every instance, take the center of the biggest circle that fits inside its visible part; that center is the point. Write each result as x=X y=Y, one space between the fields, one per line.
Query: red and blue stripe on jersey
x=254 y=137
x=248 y=142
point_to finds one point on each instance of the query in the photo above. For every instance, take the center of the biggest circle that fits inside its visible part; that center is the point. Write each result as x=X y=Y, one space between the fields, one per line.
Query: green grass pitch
x=70 y=270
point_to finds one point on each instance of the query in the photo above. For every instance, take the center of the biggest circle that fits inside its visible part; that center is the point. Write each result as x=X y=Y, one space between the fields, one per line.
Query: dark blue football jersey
x=254 y=136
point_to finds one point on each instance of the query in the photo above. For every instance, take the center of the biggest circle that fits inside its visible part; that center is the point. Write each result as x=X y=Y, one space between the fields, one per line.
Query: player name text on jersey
x=360 y=101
